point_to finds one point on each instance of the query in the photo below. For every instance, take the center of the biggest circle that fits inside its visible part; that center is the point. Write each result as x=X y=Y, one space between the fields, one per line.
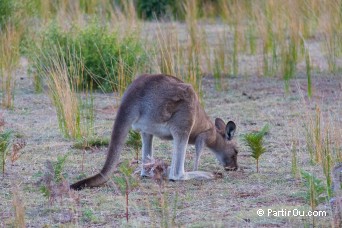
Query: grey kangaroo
x=166 y=107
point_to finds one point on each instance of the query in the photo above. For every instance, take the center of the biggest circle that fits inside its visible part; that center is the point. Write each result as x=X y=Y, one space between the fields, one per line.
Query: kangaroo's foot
x=145 y=173
x=199 y=175
x=196 y=175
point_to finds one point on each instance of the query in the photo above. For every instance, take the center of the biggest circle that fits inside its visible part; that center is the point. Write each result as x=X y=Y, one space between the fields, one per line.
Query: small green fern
x=315 y=189
x=58 y=167
x=5 y=141
x=126 y=181
x=255 y=141
x=134 y=141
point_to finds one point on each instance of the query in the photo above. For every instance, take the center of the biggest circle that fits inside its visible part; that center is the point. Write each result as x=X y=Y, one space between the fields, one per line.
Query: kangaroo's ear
x=230 y=129
x=220 y=125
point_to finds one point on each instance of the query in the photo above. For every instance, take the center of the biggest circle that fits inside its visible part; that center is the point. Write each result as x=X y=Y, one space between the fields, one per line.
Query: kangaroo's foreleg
x=199 y=144
x=178 y=158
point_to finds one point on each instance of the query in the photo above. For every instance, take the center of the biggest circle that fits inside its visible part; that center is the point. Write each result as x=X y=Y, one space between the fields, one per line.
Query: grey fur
x=166 y=107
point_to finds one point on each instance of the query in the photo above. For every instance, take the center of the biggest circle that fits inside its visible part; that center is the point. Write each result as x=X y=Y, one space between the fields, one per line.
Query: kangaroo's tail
x=121 y=127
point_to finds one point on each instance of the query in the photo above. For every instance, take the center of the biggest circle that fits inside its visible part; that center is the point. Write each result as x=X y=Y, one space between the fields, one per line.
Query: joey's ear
x=220 y=125
x=230 y=129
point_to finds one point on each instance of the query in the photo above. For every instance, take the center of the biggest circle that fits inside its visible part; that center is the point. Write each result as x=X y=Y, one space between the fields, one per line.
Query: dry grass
x=279 y=26
x=169 y=50
x=19 y=208
x=9 y=56
x=63 y=82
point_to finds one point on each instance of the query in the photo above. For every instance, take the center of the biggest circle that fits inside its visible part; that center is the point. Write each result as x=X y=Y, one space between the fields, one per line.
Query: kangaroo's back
x=149 y=102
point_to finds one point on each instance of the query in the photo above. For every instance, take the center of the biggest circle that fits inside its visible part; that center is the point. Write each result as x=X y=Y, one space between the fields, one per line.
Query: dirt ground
x=232 y=201
x=226 y=202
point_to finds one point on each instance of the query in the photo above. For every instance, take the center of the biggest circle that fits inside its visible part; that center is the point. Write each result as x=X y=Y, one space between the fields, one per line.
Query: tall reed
x=331 y=27
x=281 y=28
x=308 y=72
x=193 y=72
x=169 y=50
x=323 y=145
x=19 y=208
x=9 y=58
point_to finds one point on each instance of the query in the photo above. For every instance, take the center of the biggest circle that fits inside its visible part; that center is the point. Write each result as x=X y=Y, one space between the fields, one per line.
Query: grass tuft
x=10 y=37
x=63 y=81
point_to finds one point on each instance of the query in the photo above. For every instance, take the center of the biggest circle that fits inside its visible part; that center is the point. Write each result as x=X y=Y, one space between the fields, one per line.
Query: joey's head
x=225 y=150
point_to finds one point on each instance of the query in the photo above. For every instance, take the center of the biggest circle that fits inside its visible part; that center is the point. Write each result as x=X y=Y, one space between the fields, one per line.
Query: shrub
x=161 y=9
x=110 y=63
x=16 y=11
x=152 y=9
x=74 y=111
x=7 y=8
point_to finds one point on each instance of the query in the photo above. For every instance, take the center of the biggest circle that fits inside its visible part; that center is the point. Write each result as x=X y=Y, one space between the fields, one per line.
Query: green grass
x=308 y=72
x=7 y=10
x=102 y=51
x=92 y=142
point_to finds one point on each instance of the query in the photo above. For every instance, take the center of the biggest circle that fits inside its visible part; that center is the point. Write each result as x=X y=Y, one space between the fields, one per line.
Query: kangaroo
x=166 y=107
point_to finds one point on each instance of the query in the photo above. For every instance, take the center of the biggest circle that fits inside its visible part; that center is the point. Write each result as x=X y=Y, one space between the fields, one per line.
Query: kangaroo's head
x=226 y=151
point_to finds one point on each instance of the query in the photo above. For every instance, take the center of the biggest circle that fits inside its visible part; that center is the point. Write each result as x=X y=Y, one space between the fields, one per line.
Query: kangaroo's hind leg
x=180 y=142
x=147 y=152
